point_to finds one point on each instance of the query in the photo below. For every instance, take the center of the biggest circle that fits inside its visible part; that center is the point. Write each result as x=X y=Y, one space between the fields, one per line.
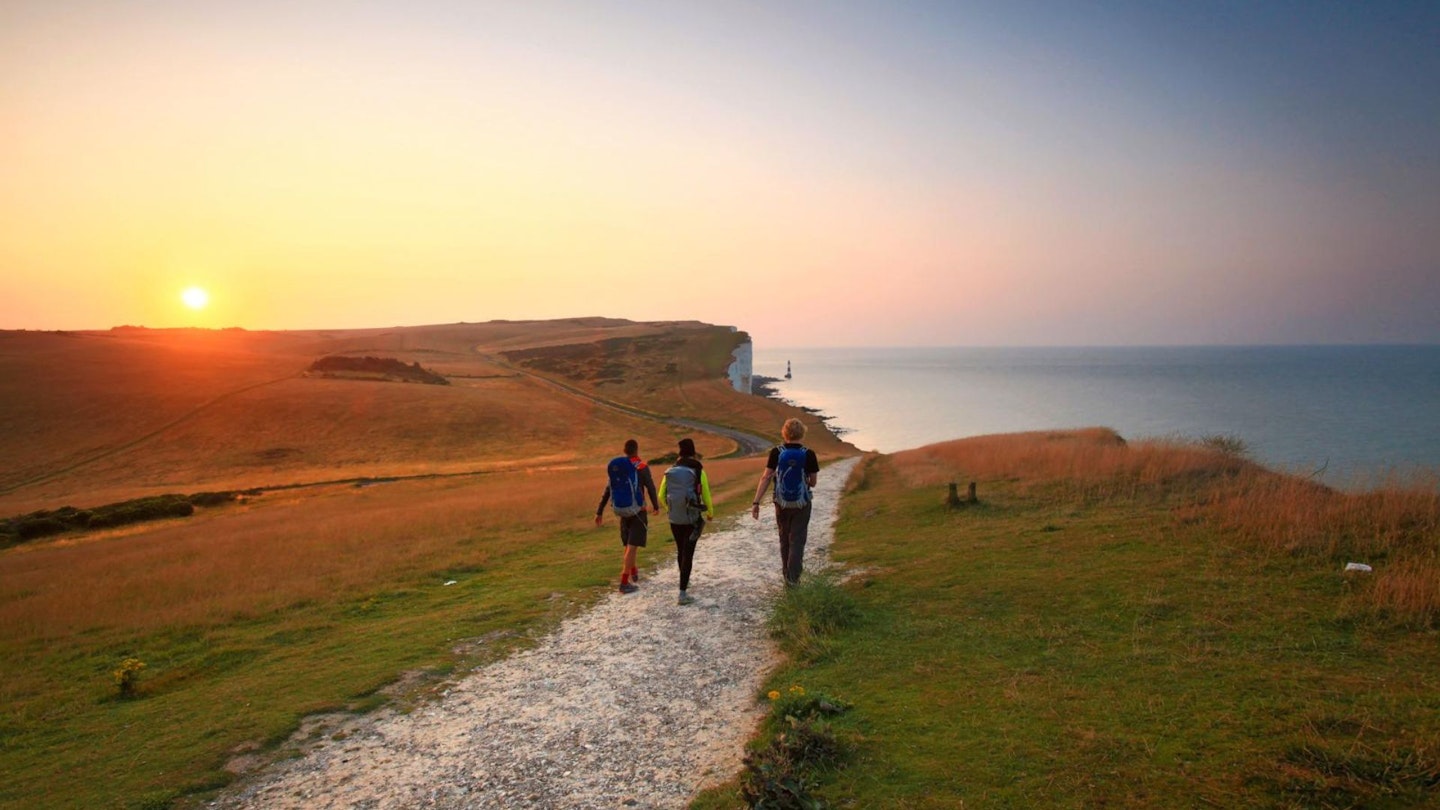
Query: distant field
x=97 y=417
x=249 y=616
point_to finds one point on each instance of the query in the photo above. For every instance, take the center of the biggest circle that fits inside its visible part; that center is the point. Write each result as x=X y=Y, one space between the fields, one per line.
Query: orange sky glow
x=815 y=175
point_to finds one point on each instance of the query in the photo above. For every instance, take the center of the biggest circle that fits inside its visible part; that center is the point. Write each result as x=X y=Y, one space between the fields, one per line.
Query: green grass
x=252 y=618
x=1038 y=651
x=207 y=691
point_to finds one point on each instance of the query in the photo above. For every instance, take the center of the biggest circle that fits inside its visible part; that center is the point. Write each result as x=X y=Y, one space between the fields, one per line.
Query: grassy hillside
x=1123 y=625
x=97 y=417
x=252 y=615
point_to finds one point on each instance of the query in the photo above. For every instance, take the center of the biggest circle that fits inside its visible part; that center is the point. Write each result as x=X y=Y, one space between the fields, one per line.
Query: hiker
x=793 y=468
x=629 y=479
x=685 y=491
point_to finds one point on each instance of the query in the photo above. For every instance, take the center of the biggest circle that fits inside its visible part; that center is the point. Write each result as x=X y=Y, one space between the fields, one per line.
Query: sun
x=195 y=298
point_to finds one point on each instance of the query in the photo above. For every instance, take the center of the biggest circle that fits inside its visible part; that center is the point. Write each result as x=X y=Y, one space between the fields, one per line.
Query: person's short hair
x=793 y=430
x=632 y=447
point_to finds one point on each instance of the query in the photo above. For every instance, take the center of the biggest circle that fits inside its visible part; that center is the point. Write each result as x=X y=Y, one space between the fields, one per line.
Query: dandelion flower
x=798 y=689
x=774 y=695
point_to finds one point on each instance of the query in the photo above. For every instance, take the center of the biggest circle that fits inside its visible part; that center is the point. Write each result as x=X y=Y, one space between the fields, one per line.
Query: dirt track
x=639 y=702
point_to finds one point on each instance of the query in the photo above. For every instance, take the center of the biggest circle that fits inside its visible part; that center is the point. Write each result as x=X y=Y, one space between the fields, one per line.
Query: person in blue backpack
x=685 y=491
x=793 y=468
x=628 y=480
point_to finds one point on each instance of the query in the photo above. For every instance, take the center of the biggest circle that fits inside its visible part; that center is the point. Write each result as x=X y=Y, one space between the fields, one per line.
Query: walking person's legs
x=794 y=530
x=632 y=535
x=782 y=522
x=686 y=536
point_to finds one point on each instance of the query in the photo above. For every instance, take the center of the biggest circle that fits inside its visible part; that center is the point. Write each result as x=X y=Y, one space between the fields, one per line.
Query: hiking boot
x=626 y=587
x=684 y=599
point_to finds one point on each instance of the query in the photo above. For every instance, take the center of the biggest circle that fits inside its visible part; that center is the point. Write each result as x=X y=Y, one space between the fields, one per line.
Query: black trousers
x=687 y=536
x=794 y=530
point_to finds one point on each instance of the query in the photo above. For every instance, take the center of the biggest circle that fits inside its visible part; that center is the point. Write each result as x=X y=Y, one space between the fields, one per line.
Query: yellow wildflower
x=774 y=695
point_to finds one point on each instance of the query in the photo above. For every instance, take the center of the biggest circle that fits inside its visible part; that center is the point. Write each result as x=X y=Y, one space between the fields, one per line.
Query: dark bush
x=31 y=528
x=772 y=781
x=212 y=498
x=67 y=518
x=387 y=367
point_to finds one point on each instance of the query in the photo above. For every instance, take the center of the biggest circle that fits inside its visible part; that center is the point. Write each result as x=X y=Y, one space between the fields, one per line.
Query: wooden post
x=954 y=501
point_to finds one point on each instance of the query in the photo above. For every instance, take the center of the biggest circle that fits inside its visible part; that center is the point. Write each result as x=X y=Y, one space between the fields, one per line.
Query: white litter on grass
x=451 y=582
x=1358 y=567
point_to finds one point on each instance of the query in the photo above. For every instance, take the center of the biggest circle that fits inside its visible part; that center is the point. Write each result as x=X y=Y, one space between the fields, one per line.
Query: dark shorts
x=634 y=529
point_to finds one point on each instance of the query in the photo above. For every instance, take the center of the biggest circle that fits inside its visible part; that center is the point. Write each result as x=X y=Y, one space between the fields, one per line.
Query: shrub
x=1227 y=443
x=211 y=498
x=810 y=742
x=31 y=528
x=772 y=781
x=782 y=773
x=797 y=703
x=127 y=676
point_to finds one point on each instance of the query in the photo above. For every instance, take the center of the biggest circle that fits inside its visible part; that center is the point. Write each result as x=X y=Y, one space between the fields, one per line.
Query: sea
x=1350 y=416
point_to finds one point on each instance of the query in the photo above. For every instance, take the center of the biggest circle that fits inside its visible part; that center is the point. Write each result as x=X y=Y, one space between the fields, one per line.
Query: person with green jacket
x=685 y=491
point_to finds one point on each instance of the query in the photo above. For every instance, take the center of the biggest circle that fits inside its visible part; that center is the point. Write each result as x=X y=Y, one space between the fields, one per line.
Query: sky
x=817 y=174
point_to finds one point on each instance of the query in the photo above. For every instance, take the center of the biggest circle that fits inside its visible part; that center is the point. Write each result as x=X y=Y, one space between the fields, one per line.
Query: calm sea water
x=1355 y=412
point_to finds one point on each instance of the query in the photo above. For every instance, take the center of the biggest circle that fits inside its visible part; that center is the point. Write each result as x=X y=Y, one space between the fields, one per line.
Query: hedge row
x=68 y=518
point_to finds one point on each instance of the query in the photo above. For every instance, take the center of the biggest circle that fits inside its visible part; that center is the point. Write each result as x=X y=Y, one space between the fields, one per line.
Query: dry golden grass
x=1291 y=515
x=1395 y=527
x=312 y=594
x=281 y=549
x=98 y=417
x=1094 y=462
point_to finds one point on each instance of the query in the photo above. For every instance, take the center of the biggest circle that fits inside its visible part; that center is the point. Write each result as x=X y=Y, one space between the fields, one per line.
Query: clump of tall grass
x=808 y=613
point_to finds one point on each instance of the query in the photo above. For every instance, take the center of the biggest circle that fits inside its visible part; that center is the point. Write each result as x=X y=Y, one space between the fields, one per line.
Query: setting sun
x=195 y=298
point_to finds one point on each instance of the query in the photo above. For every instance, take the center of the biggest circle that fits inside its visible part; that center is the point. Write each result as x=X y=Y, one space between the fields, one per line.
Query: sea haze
x=1346 y=413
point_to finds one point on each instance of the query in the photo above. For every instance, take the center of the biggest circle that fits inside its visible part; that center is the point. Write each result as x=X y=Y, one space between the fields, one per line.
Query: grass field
x=1119 y=624
x=1125 y=625
x=309 y=598
x=98 y=417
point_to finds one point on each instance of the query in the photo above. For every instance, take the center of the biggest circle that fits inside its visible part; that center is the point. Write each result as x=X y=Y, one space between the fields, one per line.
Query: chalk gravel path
x=639 y=702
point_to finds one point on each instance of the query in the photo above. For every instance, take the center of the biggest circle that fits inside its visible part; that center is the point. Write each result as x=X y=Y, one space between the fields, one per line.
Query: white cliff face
x=741 y=367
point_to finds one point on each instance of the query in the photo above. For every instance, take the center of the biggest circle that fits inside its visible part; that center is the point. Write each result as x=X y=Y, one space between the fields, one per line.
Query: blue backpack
x=791 y=490
x=625 y=496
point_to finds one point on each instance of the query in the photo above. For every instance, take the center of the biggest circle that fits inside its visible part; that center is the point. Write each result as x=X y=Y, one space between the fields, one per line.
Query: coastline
x=764 y=386
x=1362 y=415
